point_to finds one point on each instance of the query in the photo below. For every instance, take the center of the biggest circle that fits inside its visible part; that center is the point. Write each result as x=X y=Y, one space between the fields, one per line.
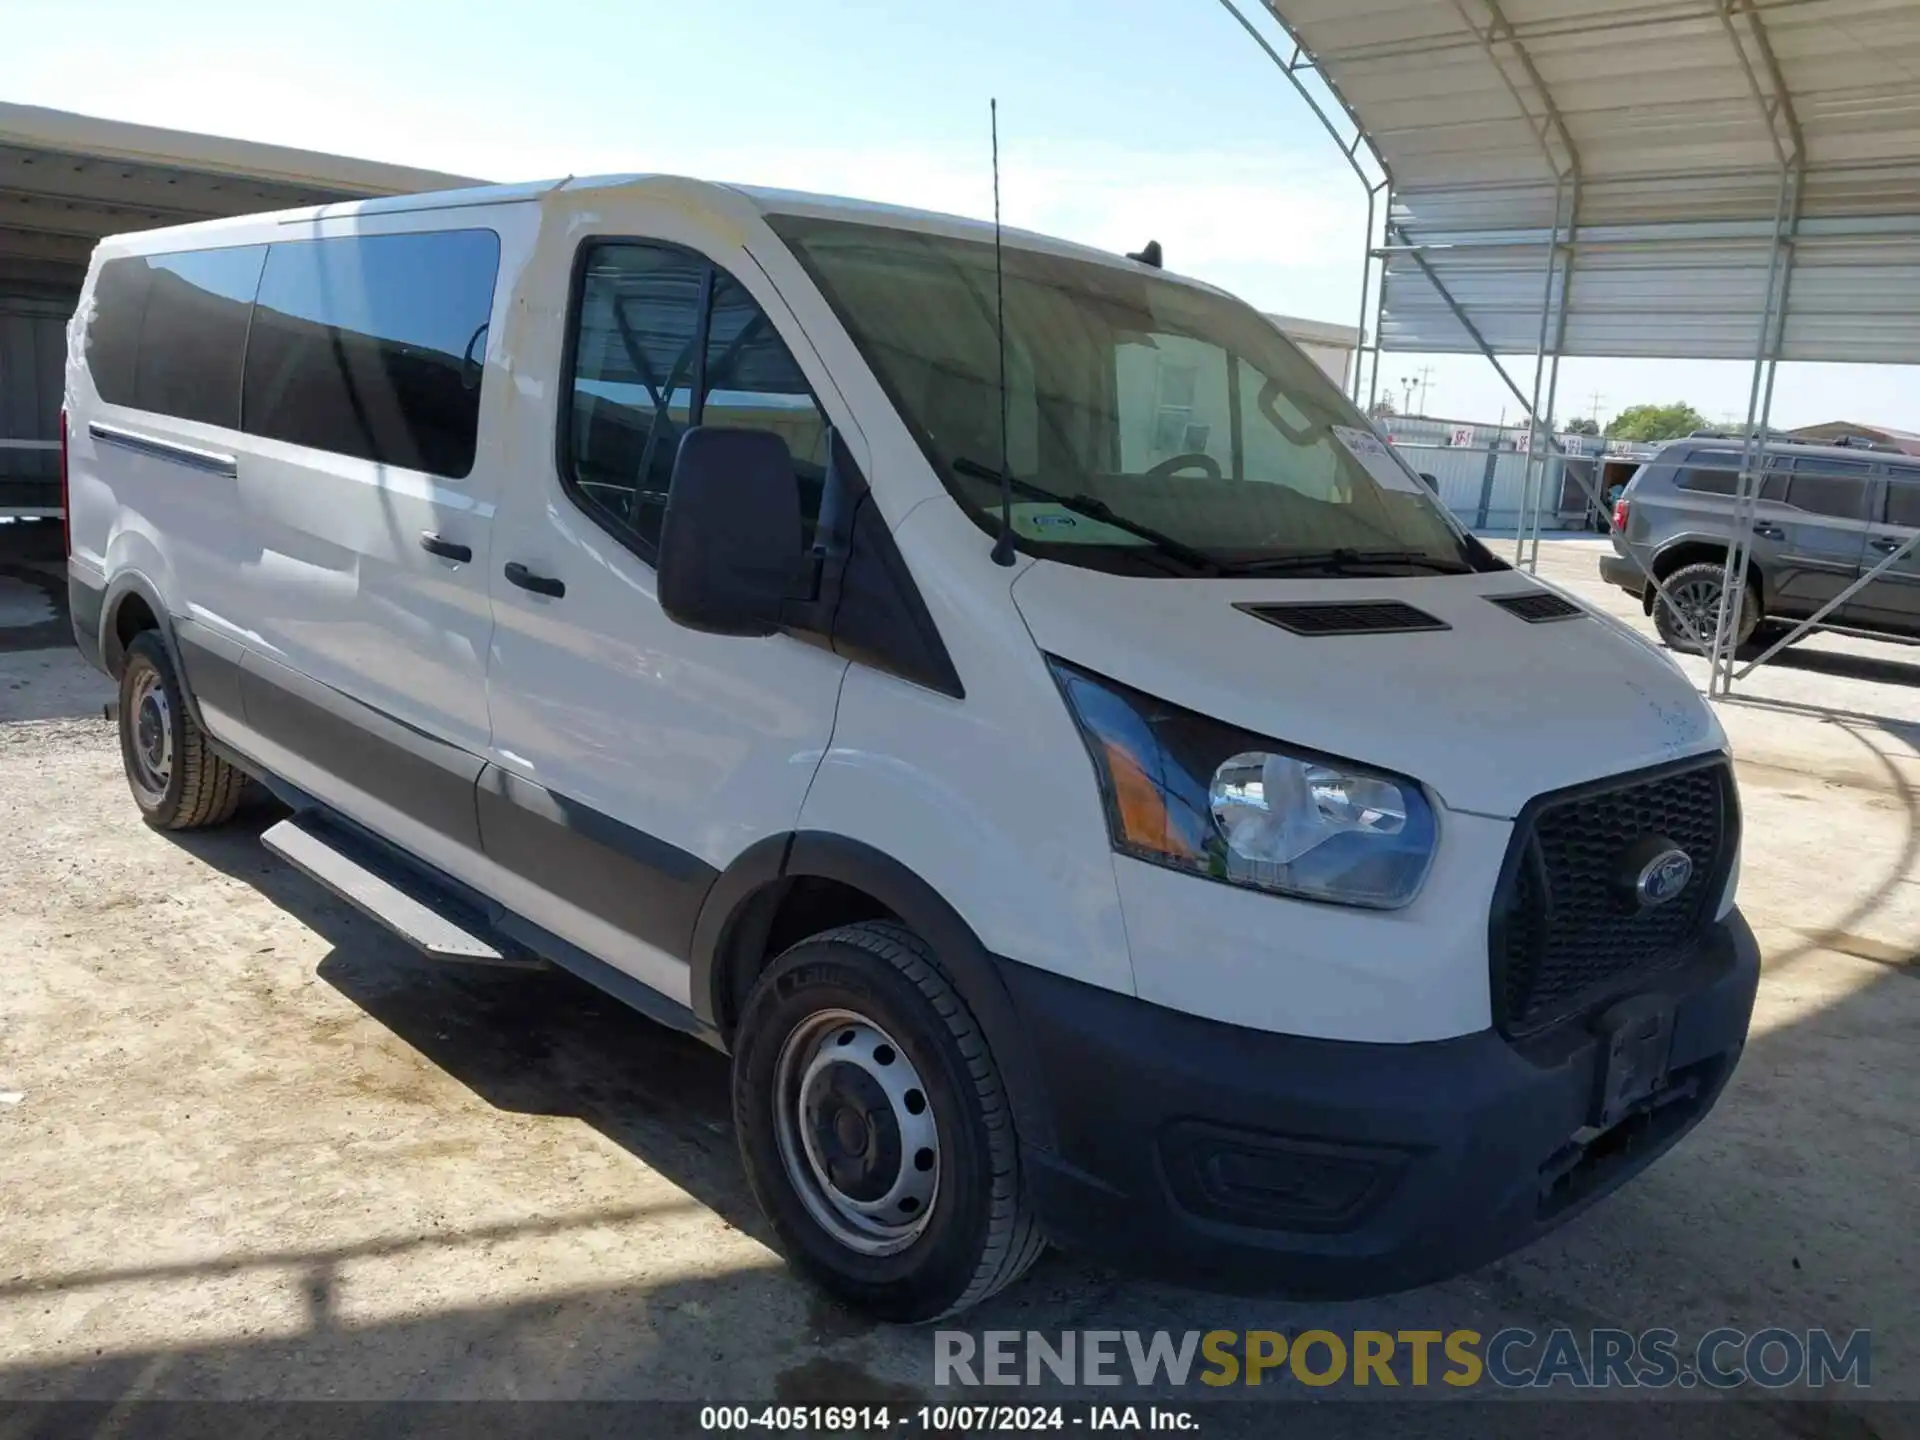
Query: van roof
x=718 y=197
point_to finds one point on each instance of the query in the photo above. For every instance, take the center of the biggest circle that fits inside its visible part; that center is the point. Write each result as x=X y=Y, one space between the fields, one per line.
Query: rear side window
x=1903 y=499
x=194 y=334
x=1717 y=472
x=1834 y=488
x=113 y=334
x=664 y=340
x=371 y=346
x=168 y=331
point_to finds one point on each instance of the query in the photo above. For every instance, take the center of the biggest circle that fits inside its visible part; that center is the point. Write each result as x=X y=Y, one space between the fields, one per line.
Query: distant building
x=1835 y=431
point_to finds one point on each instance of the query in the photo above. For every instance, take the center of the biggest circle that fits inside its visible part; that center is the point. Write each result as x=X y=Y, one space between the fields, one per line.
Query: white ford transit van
x=1192 y=848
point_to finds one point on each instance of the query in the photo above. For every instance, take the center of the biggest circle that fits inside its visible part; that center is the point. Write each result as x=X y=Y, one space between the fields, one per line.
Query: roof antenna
x=1003 y=551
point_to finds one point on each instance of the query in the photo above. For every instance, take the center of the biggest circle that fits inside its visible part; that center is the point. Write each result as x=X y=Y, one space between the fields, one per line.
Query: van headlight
x=1195 y=794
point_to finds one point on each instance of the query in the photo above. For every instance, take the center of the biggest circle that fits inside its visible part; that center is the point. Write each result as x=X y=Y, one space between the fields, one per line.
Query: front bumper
x=1236 y=1159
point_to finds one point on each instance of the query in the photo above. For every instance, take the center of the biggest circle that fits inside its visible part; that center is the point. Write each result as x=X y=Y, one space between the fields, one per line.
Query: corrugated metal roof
x=1671 y=121
x=68 y=180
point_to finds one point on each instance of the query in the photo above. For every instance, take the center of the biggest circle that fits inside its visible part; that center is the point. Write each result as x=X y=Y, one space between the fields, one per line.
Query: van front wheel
x=875 y=1129
x=177 y=780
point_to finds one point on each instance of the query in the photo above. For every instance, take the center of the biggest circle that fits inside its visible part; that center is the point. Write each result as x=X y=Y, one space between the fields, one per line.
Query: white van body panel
x=1487 y=714
x=705 y=742
x=340 y=588
x=991 y=799
x=1331 y=971
x=186 y=532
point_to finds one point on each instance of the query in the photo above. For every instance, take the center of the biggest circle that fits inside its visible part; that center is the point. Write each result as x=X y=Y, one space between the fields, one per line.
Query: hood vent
x=1537 y=606
x=1357 y=617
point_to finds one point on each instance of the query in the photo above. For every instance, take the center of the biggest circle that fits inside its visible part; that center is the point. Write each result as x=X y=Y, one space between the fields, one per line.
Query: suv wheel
x=874 y=1128
x=1695 y=591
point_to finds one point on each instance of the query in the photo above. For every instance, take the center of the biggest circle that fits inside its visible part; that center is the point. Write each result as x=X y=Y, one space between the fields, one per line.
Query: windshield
x=1152 y=427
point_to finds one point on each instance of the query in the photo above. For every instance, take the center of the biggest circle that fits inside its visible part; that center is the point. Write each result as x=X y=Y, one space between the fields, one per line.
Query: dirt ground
x=252 y=1146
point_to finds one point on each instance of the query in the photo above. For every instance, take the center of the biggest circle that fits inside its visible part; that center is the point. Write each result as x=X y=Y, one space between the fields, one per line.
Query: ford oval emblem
x=1663 y=877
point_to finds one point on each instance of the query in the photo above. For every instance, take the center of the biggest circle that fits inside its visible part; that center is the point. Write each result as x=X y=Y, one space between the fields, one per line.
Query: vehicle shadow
x=533 y=1042
x=1847 y=665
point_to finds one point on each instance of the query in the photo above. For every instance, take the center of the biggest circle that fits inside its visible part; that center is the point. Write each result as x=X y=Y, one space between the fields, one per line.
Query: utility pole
x=1407 y=382
x=1596 y=397
x=1426 y=376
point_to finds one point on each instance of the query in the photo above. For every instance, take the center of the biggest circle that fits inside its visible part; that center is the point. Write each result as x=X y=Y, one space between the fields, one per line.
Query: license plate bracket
x=1636 y=1040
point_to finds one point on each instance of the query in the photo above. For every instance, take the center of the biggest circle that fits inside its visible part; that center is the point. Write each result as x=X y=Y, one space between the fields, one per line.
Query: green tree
x=1583 y=426
x=1655 y=422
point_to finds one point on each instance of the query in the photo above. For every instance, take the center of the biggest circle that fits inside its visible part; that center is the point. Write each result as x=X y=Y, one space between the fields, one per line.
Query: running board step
x=404 y=903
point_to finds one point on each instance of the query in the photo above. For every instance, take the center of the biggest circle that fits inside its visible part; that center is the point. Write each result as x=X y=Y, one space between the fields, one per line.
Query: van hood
x=1488 y=713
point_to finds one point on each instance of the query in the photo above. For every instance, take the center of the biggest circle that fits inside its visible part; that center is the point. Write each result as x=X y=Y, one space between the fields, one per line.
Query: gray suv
x=1826 y=514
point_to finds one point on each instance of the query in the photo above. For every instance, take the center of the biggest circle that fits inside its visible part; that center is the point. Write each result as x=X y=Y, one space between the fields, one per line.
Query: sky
x=1120 y=121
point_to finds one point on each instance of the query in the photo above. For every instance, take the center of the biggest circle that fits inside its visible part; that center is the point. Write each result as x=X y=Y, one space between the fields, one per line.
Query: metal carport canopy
x=1663 y=145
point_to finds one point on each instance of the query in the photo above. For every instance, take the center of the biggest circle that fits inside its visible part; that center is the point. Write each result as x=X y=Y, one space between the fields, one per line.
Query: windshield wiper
x=1343 y=558
x=1095 y=509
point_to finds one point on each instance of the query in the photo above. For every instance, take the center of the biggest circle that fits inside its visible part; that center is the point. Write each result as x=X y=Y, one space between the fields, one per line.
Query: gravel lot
x=261 y=1149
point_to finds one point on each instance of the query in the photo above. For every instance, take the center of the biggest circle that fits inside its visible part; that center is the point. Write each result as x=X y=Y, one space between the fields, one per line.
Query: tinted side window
x=370 y=346
x=1717 y=472
x=1707 y=481
x=635 y=350
x=1903 y=499
x=113 y=334
x=1835 y=488
x=752 y=383
x=664 y=341
x=194 y=337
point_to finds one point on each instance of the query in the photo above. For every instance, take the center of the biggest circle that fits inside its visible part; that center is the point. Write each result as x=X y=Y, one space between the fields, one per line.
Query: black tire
x=978 y=1234
x=177 y=780
x=1697 y=587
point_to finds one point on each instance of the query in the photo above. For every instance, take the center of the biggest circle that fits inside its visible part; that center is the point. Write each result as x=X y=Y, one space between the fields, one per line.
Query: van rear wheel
x=875 y=1130
x=177 y=780
x=1687 y=614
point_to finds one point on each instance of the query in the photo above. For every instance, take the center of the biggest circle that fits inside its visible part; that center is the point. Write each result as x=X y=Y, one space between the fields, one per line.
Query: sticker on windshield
x=1055 y=524
x=1377 y=459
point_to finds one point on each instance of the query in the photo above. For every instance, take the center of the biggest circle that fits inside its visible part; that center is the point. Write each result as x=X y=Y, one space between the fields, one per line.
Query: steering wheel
x=1194 y=460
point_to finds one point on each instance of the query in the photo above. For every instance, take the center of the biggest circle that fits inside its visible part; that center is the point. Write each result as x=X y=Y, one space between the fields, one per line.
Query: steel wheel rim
x=856 y=1132
x=150 y=729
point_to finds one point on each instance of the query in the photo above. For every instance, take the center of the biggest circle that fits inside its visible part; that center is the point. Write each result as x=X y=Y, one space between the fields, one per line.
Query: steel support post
x=1367 y=258
x=1773 y=102
x=1537 y=430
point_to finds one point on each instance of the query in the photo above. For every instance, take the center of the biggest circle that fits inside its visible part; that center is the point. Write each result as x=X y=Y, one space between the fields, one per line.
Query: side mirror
x=1433 y=482
x=730 y=540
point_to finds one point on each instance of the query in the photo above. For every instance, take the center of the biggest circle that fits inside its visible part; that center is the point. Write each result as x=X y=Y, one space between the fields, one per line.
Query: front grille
x=1355 y=617
x=1568 y=931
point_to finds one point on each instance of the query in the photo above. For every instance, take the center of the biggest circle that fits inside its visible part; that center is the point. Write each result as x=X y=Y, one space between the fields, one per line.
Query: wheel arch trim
x=732 y=925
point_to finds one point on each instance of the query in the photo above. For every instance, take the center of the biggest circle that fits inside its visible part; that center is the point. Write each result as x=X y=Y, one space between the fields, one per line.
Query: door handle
x=1769 y=532
x=445 y=549
x=1887 y=544
x=518 y=574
